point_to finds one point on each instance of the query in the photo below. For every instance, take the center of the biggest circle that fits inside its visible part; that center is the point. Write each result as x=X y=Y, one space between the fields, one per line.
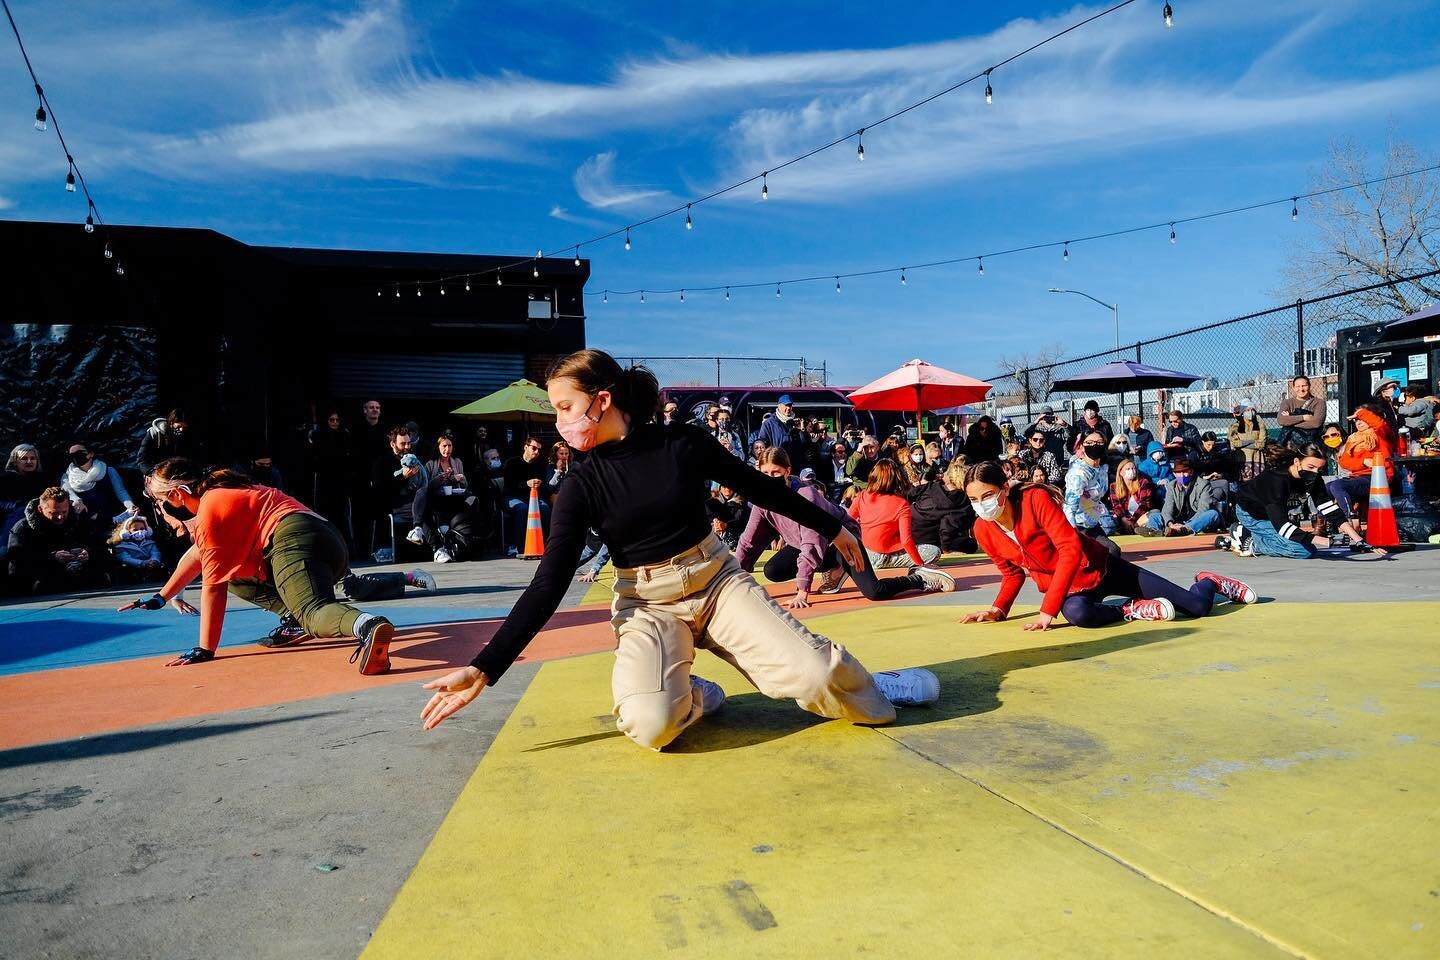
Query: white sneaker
x=384 y=555
x=415 y=536
x=936 y=581
x=442 y=555
x=833 y=580
x=421 y=580
x=915 y=687
x=712 y=697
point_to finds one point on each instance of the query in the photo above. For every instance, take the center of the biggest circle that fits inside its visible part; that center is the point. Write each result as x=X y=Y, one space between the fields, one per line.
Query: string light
x=642 y=296
x=419 y=291
x=902 y=277
x=497 y=279
x=765 y=185
x=982 y=266
x=689 y=224
x=606 y=297
x=397 y=293
x=1169 y=17
x=89 y=223
x=1172 y=231
x=577 y=254
x=467 y=284
x=627 y=238
x=777 y=291
x=40 y=119
x=119 y=269
x=727 y=294
x=860 y=150
x=682 y=296
x=70 y=174
x=1066 y=255
x=1294 y=209
x=535 y=271
x=989 y=91
x=442 y=289
x=379 y=293
x=837 y=284
x=108 y=252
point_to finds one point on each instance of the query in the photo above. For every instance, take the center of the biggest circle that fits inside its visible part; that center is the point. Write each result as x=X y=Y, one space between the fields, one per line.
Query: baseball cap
x=784 y=398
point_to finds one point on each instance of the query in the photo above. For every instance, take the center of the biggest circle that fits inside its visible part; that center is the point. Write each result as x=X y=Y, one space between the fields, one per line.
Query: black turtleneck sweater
x=646 y=496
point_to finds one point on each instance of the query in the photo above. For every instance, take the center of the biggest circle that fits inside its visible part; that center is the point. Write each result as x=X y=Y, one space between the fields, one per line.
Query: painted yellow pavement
x=1226 y=787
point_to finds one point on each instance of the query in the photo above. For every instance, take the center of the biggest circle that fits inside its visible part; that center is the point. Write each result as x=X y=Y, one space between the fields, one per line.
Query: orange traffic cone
x=1380 y=528
x=534 y=534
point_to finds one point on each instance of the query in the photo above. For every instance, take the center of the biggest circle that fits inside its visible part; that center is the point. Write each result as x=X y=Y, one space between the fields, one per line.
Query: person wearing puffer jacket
x=132 y=543
x=1371 y=443
x=941 y=514
x=1156 y=465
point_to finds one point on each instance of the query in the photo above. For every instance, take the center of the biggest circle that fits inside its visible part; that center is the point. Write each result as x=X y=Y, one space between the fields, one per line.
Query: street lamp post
x=1114 y=309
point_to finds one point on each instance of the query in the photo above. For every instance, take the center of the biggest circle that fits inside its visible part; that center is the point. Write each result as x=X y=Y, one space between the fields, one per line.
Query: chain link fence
x=733 y=371
x=1250 y=358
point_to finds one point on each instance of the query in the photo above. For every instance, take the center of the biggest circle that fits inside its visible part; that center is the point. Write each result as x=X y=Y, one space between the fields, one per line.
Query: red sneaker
x=1161 y=609
x=1234 y=590
x=373 y=651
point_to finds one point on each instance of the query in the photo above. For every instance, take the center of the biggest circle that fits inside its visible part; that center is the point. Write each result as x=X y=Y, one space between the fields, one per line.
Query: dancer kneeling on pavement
x=807 y=551
x=643 y=487
x=1262 y=509
x=1024 y=530
x=264 y=546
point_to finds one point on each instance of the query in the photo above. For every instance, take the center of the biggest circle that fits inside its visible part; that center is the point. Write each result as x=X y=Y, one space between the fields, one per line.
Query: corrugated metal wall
x=461 y=377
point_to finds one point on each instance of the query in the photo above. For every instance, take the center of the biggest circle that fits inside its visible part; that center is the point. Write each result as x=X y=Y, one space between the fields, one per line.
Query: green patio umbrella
x=521 y=397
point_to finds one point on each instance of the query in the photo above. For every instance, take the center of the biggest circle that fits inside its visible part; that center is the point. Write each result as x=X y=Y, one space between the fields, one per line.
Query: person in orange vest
x=1373 y=441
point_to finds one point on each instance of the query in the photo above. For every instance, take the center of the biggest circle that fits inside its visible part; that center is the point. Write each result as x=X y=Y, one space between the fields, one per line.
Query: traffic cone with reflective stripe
x=1380 y=528
x=534 y=534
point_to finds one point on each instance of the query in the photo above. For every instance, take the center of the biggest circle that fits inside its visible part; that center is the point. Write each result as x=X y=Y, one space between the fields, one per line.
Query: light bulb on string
x=467 y=284
x=379 y=293
x=397 y=293
x=40 y=119
x=577 y=254
x=1066 y=255
x=419 y=292
x=765 y=185
x=89 y=223
x=689 y=224
x=989 y=91
x=70 y=174
x=119 y=269
x=903 y=281
x=837 y=284
x=442 y=289
x=497 y=279
x=605 y=297
x=1169 y=17
x=860 y=150
x=777 y=291
x=535 y=270
x=627 y=238
x=108 y=252
x=1172 y=232
x=727 y=294
x=682 y=296
x=642 y=296
x=1294 y=209
x=982 y=266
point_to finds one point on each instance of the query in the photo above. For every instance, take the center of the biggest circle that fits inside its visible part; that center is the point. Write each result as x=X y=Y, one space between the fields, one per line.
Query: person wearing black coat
x=166 y=437
x=984 y=441
x=940 y=513
x=51 y=549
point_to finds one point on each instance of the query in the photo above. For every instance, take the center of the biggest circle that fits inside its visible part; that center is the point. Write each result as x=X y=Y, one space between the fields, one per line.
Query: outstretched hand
x=982 y=616
x=184 y=606
x=452 y=692
x=849 y=548
x=144 y=603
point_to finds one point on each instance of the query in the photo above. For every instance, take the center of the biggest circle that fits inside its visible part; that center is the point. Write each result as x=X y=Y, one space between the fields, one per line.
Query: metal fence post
x=1028 y=417
x=1299 y=338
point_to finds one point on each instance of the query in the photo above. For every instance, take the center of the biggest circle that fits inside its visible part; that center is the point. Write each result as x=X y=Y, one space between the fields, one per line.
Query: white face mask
x=917 y=458
x=1128 y=475
x=989 y=508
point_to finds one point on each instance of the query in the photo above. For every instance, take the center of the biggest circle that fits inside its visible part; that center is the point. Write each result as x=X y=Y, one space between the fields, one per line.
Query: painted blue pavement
x=57 y=637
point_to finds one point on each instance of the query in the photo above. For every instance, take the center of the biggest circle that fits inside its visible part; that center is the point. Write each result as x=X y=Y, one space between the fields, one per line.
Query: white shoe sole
x=936 y=581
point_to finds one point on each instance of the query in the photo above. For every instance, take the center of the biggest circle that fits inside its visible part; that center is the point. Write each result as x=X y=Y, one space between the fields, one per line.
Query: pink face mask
x=581 y=432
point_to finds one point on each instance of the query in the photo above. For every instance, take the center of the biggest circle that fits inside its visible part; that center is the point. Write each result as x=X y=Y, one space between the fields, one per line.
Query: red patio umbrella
x=919 y=386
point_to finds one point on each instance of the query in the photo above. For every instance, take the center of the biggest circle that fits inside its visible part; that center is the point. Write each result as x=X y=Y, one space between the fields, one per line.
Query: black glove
x=197 y=655
x=1360 y=546
x=156 y=602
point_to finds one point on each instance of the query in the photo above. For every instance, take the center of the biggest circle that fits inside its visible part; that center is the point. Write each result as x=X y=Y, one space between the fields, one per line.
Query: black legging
x=784 y=564
x=1125 y=579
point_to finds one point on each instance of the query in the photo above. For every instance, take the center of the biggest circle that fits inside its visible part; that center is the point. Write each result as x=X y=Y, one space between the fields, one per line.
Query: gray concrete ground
x=204 y=838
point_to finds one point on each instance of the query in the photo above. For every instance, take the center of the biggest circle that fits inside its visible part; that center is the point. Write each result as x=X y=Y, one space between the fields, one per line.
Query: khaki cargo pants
x=702 y=598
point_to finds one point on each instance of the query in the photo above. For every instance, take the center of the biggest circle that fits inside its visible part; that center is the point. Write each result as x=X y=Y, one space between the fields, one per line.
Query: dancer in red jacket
x=1023 y=530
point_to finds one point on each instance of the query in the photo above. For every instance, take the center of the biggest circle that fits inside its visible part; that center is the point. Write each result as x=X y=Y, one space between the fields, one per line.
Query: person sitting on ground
x=132 y=544
x=1180 y=435
x=728 y=515
x=96 y=491
x=1087 y=483
x=1139 y=437
x=1189 y=505
x=1216 y=465
x=1035 y=454
x=1090 y=420
x=984 y=441
x=1012 y=450
x=1023 y=530
x=442 y=496
x=1134 y=502
x=885 y=521
x=940 y=512
x=677 y=588
x=266 y=547
x=1262 y=509
x=167 y=436
x=51 y=549
x=1300 y=415
x=933 y=459
x=522 y=475
x=807 y=552
x=862 y=461
x=1156 y=465
x=916 y=469
x=1247 y=437
x=1055 y=429
x=21 y=482
x=1416 y=413
x=833 y=473
x=1369 y=444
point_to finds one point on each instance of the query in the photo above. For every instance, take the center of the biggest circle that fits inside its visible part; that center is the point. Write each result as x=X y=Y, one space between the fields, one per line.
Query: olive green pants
x=304 y=559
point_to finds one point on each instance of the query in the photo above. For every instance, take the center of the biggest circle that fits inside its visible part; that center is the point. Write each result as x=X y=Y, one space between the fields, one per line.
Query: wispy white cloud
x=558 y=212
x=595 y=184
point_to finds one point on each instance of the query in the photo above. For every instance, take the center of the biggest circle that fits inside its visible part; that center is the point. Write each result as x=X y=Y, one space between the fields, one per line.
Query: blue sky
x=507 y=127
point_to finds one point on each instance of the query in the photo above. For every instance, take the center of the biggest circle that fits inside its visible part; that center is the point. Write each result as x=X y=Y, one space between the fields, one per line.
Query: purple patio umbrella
x=1121 y=376
x=1424 y=322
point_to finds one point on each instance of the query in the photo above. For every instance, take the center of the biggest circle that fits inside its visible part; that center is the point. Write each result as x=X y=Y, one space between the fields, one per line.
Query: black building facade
x=256 y=343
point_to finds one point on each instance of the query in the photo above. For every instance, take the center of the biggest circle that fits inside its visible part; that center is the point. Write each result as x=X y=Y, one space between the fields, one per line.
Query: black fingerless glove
x=197 y=655
x=156 y=602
